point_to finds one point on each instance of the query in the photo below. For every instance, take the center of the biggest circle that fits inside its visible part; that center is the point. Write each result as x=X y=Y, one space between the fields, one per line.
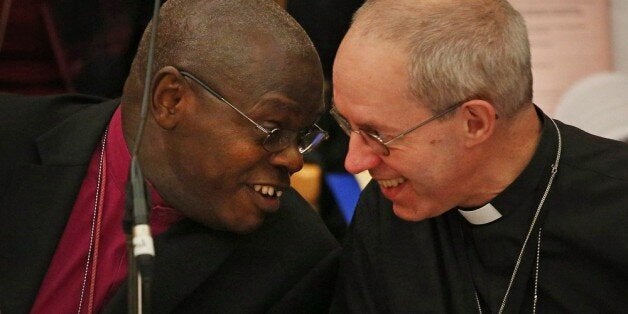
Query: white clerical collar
x=482 y=215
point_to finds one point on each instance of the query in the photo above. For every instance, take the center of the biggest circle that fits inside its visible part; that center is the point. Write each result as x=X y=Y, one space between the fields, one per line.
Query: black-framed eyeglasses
x=376 y=142
x=277 y=139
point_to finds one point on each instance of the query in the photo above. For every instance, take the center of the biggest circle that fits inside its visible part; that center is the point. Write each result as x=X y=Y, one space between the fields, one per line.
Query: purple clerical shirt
x=64 y=287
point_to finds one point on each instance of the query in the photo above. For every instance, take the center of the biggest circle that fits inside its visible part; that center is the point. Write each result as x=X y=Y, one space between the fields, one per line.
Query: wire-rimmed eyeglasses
x=376 y=142
x=277 y=139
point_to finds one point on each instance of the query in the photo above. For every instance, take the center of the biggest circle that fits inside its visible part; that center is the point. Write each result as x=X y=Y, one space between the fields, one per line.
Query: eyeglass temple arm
x=215 y=94
x=424 y=123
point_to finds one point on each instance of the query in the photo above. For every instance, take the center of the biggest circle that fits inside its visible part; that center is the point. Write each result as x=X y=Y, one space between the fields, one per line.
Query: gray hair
x=458 y=50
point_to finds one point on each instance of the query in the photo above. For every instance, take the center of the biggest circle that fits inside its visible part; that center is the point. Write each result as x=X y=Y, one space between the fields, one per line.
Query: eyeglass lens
x=311 y=140
x=279 y=139
x=370 y=139
x=276 y=139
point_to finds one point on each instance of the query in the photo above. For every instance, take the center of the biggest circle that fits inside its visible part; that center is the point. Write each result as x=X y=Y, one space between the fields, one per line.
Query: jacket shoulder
x=596 y=155
x=28 y=116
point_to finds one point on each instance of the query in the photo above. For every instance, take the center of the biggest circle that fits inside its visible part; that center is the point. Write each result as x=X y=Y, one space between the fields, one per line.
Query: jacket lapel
x=185 y=256
x=32 y=221
x=39 y=201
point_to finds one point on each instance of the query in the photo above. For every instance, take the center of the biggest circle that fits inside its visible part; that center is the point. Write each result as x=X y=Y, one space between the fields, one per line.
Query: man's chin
x=415 y=211
x=246 y=225
x=409 y=213
x=242 y=226
x=246 y=229
x=410 y=206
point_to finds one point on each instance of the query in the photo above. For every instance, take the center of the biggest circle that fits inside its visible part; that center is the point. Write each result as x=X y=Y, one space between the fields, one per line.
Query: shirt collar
x=530 y=182
x=483 y=215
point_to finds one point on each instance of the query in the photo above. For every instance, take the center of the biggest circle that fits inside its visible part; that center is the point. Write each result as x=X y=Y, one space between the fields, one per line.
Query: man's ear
x=168 y=101
x=479 y=121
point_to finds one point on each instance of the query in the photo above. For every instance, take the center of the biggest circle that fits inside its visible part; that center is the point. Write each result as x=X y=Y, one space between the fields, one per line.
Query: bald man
x=479 y=202
x=236 y=92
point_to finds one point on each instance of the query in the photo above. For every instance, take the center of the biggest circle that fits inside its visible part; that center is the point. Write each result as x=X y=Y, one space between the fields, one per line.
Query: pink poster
x=570 y=40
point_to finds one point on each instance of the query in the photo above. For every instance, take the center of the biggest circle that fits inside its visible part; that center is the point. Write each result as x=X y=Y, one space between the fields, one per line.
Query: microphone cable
x=137 y=222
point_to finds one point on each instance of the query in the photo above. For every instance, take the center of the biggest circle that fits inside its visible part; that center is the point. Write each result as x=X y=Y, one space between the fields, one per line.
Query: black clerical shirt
x=437 y=265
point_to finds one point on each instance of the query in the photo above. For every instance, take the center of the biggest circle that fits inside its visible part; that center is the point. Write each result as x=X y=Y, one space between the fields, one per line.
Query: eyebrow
x=292 y=107
x=367 y=125
x=280 y=104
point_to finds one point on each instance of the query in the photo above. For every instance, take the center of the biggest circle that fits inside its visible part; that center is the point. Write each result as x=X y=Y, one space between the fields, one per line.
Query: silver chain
x=525 y=242
x=91 y=235
x=536 y=272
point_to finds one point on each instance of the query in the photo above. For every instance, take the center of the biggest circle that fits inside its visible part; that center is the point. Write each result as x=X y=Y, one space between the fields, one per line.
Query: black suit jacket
x=288 y=265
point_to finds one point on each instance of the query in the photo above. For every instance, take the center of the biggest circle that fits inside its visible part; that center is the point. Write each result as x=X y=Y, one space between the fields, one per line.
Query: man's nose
x=290 y=158
x=360 y=156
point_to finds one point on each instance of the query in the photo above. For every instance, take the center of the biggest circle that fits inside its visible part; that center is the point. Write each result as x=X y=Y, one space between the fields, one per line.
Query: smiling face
x=207 y=160
x=371 y=90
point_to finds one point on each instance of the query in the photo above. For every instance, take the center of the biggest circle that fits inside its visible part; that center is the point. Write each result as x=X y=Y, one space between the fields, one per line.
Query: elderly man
x=479 y=201
x=236 y=91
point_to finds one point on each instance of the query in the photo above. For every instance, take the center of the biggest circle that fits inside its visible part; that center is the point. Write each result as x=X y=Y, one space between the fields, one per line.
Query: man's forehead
x=363 y=71
x=309 y=109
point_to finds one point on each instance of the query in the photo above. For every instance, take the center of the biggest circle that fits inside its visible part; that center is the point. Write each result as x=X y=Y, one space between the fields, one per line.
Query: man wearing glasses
x=235 y=97
x=479 y=202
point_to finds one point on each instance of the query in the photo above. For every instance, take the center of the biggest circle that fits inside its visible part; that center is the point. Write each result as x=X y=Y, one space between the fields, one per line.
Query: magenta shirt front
x=61 y=290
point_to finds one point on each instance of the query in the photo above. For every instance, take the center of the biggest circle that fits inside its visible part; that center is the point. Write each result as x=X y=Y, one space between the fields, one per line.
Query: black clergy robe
x=288 y=265
x=437 y=265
